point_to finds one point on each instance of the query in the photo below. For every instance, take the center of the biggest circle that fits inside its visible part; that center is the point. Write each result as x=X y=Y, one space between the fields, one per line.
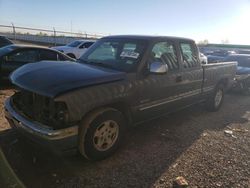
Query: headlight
x=61 y=112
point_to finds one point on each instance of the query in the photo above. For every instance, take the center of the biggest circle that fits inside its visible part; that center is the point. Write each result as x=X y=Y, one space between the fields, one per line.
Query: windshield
x=74 y=43
x=118 y=54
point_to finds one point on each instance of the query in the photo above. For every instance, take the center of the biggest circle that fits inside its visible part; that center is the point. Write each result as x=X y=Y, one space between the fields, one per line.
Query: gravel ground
x=191 y=143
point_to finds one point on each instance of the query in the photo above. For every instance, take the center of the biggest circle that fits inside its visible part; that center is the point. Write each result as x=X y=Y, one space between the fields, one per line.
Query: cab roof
x=146 y=37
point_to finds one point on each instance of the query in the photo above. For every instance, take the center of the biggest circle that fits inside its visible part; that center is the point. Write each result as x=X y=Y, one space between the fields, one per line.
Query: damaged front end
x=41 y=109
x=41 y=119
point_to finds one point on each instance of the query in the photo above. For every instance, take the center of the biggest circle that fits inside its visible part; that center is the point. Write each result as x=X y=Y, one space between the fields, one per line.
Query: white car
x=76 y=48
x=203 y=58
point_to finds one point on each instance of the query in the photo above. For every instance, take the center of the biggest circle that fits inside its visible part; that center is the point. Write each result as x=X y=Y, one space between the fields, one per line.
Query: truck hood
x=51 y=78
x=243 y=70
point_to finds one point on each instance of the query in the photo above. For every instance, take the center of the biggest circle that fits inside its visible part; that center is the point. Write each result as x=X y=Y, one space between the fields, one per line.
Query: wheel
x=216 y=99
x=101 y=133
x=71 y=55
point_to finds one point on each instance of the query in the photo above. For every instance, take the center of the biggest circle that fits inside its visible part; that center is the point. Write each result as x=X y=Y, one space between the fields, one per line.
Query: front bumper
x=62 y=140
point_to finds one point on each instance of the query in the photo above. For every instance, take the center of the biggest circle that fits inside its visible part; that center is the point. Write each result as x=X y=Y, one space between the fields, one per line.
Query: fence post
x=14 y=31
x=86 y=35
x=54 y=36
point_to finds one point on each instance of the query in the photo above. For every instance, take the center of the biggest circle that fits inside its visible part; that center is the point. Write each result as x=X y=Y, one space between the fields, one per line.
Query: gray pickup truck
x=119 y=81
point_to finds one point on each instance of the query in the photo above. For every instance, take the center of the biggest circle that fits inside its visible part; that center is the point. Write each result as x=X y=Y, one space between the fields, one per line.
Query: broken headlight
x=61 y=112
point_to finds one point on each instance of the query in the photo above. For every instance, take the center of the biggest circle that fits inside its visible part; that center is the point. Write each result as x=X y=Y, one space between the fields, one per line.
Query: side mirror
x=158 y=68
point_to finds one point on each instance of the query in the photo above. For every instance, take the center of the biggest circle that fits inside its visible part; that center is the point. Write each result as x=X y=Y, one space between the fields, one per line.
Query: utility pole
x=71 y=26
x=14 y=30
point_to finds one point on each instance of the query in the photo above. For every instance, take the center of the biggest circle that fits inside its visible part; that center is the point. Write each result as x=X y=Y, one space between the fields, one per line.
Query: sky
x=214 y=20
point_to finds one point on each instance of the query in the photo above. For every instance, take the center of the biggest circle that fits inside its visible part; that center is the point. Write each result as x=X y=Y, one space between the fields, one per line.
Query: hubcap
x=218 y=97
x=106 y=135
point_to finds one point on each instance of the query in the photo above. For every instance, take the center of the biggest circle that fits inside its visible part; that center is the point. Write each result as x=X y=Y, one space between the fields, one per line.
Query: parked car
x=214 y=59
x=76 y=48
x=14 y=56
x=4 y=41
x=120 y=81
x=243 y=72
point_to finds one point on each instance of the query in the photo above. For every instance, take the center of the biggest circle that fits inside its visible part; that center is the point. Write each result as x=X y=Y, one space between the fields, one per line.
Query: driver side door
x=159 y=92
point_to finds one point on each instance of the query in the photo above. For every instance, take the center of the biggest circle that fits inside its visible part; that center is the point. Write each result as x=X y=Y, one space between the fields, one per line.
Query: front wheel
x=216 y=99
x=101 y=133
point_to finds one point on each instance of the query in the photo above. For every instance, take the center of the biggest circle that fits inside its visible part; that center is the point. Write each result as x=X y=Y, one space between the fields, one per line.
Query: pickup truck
x=120 y=81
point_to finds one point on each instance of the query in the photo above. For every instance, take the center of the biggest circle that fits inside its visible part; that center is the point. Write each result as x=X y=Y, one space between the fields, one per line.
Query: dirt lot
x=191 y=143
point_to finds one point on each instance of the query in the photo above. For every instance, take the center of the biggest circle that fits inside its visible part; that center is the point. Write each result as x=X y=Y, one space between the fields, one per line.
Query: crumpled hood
x=51 y=78
x=242 y=70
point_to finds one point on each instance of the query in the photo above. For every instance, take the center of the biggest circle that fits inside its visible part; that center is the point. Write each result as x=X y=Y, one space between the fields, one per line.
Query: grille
x=33 y=106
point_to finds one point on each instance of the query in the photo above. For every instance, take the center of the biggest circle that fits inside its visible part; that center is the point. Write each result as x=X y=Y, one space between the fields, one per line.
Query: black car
x=4 y=41
x=14 y=56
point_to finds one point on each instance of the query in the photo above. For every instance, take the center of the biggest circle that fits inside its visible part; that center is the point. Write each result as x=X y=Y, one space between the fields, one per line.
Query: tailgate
x=215 y=72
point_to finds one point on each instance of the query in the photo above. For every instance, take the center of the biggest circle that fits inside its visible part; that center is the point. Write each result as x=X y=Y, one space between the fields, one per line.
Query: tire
x=216 y=99
x=71 y=55
x=101 y=133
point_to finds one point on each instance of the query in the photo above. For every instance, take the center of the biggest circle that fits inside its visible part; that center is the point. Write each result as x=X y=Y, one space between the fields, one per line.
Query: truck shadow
x=148 y=151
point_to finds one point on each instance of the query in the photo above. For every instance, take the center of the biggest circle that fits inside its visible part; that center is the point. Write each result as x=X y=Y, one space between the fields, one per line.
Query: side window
x=165 y=52
x=24 y=56
x=189 y=56
x=48 y=55
x=86 y=45
x=62 y=58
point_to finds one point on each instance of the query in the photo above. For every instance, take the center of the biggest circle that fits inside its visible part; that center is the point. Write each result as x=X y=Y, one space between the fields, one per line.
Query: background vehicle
x=14 y=56
x=243 y=71
x=76 y=48
x=4 y=41
x=119 y=81
x=203 y=58
x=214 y=59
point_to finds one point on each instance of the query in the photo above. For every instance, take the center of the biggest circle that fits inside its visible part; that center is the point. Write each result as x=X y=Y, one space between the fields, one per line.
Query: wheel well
x=223 y=82
x=124 y=109
x=120 y=106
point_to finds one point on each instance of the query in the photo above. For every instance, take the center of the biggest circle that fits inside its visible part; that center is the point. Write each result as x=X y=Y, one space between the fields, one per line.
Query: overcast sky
x=198 y=19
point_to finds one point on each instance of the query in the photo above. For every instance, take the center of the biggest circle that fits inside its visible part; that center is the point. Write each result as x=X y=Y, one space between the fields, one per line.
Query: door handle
x=178 y=78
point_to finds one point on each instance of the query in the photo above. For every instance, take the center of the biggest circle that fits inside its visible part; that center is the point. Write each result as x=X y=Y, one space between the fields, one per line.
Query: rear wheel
x=101 y=133
x=216 y=99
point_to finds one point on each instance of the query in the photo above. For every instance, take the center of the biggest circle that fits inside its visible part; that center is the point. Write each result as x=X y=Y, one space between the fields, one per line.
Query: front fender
x=84 y=100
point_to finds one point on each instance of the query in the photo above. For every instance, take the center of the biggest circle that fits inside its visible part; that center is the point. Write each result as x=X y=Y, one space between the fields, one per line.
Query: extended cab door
x=191 y=72
x=159 y=93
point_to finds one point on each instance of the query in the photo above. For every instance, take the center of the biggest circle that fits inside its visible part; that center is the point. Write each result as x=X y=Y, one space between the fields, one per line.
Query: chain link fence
x=44 y=36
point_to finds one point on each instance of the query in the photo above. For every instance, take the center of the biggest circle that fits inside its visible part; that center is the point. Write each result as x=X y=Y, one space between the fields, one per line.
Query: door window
x=48 y=55
x=24 y=56
x=165 y=52
x=189 y=56
x=86 y=45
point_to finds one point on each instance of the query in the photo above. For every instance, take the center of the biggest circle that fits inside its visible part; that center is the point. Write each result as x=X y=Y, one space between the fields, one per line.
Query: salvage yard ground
x=207 y=149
